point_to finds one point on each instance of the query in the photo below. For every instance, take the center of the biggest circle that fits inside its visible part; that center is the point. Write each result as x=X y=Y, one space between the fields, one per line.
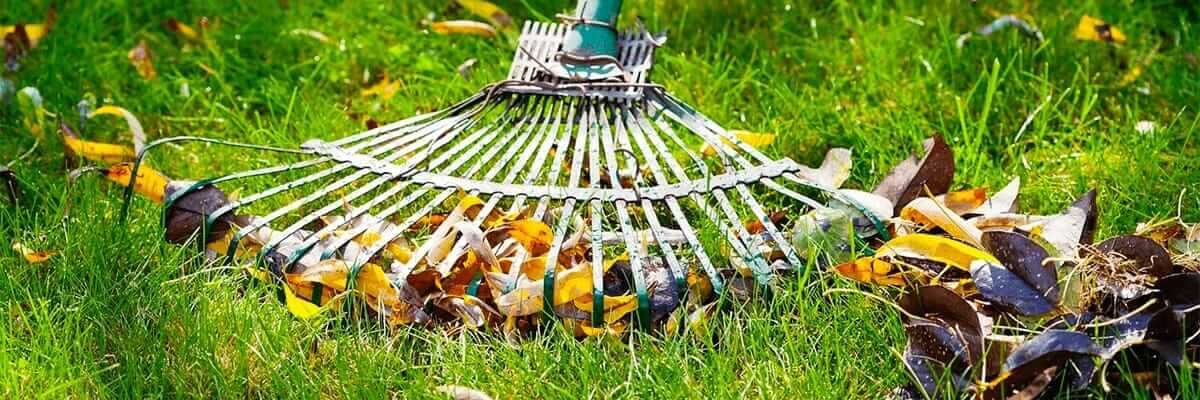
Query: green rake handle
x=594 y=34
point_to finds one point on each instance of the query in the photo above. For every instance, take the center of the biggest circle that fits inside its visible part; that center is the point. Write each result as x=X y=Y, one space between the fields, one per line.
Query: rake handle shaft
x=594 y=32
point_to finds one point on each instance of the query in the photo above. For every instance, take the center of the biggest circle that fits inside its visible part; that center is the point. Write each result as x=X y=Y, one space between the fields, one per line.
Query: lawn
x=117 y=312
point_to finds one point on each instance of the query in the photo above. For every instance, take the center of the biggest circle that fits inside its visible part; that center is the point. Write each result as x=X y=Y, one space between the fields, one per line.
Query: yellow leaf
x=615 y=307
x=463 y=27
x=534 y=235
x=1094 y=29
x=963 y=201
x=572 y=283
x=385 y=89
x=927 y=211
x=756 y=140
x=368 y=238
x=95 y=151
x=525 y=299
x=32 y=33
x=149 y=183
x=142 y=61
x=937 y=248
x=183 y=30
x=614 y=329
x=487 y=10
x=299 y=307
x=398 y=252
x=1131 y=75
x=870 y=270
x=31 y=256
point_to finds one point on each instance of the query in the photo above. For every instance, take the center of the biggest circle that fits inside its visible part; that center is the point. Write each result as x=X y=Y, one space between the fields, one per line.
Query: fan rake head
x=572 y=194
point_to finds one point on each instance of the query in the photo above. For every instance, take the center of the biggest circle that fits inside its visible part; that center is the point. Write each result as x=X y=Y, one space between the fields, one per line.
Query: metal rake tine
x=597 y=234
x=463 y=155
x=444 y=228
x=568 y=211
x=628 y=232
x=739 y=246
x=528 y=143
x=261 y=222
x=673 y=204
x=656 y=228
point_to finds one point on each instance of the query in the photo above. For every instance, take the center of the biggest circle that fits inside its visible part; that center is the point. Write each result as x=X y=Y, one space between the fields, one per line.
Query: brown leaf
x=1151 y=258
x=142 y=61
x=909 y=179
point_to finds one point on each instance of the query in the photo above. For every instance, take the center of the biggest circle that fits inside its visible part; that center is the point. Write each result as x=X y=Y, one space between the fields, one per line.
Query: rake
x=577 y=136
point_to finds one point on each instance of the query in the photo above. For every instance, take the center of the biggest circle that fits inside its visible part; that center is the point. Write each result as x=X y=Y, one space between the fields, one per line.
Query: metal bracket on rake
x=531 y=144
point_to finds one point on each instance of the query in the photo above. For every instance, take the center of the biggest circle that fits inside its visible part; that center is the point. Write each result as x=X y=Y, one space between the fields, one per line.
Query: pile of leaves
x=1001 y=304
x=478 y=267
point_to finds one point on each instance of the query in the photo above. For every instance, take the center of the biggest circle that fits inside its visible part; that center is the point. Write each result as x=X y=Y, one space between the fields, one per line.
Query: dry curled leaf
x=142 y=60
x=182 y=29
x=485 y=9
x=320 y=37
x=95 y=151
x=31 y=256
x=385 y=89
x=1097 y=30
x=756 y=140
x=912 y=177
x=19 y=39
x=149 y=183
x=463 y=27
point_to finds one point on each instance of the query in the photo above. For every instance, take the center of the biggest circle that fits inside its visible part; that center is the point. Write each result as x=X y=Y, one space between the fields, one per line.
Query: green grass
x=105 y=319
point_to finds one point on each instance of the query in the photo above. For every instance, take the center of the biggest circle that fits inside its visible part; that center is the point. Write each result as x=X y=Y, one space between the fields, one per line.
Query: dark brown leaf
x=1180 y=290
x=940 y=304
x=1008 y=291
x=1024 y=257
x=10 y=186
x=909 y=179
x=1052 y=348
x=186 y=215
x=1151 y=257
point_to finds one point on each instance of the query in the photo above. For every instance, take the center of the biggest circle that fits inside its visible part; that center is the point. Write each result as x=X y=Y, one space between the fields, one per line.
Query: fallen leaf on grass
x=142 y=61
x=386 y=88
x=1097 y=30
x=1052 y=348
x=465 y=68
x=463 y=393
x=488 y=10
x=936 y=248
x=912 y=177
x=463 y=27
x=1008 y=291
x=11 y=187
x=183 y=30
x=149 y=183
x=135 y=127
x=756 y=140
x=95 y=151
x=33 y=114
x=871 y=270
x=1150 y=257
x=927 y=211
x=1025 y=258
x=534 y=235
x=31 y=256
x=19 y=39
x=320 y=37
x=186 y=215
